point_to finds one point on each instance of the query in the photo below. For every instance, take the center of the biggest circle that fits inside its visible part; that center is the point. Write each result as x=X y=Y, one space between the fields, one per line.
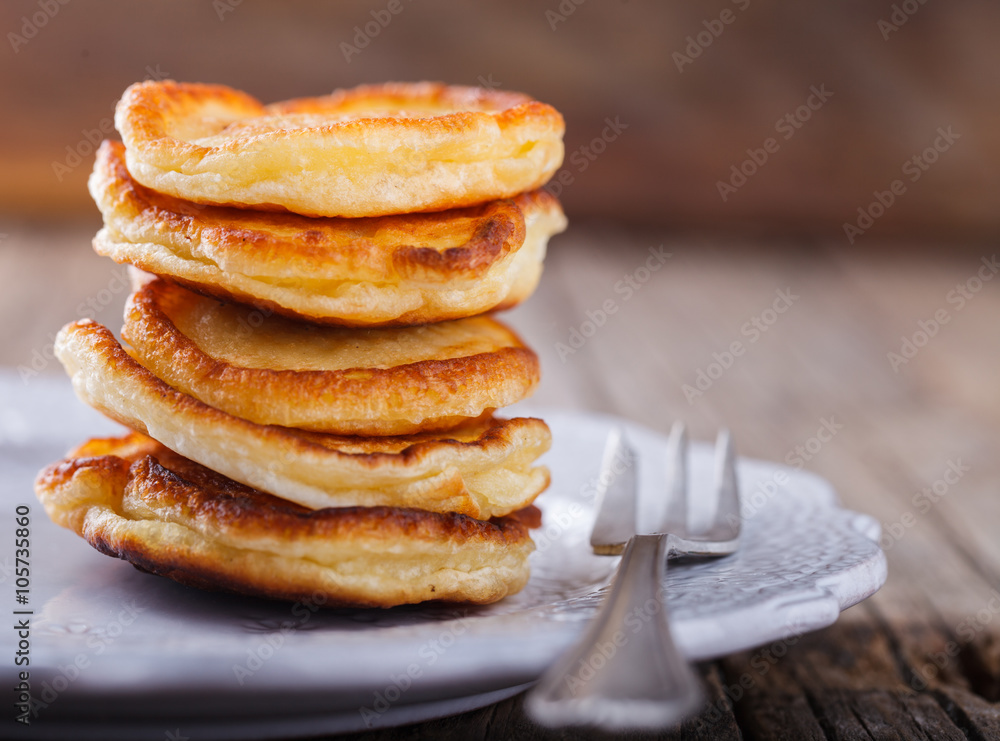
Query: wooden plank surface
x=916 y=447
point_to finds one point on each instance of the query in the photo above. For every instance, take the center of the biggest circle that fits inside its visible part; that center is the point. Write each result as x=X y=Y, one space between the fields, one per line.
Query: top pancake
x=390 y=270
x=368 y=151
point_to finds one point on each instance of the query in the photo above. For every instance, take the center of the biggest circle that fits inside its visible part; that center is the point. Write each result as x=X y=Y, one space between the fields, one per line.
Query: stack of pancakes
x=308 y=365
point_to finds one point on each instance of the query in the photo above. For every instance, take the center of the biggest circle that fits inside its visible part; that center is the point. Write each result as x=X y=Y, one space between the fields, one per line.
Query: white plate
x=116 y=653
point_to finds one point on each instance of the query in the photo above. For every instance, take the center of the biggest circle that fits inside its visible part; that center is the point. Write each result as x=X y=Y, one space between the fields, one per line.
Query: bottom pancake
x=134 y=499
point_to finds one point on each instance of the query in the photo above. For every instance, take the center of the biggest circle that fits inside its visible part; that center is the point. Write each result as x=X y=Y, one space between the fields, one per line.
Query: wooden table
x=917 y=446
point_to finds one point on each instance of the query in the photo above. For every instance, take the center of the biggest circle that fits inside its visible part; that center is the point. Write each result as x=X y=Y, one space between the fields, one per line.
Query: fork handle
x=626 y=672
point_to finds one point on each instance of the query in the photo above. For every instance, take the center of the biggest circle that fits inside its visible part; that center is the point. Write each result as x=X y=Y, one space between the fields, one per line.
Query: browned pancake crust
x=409 y=397
x=133 y=499
x=456 y=245
x=387 y=271
x=374 y=150
x=482 y=469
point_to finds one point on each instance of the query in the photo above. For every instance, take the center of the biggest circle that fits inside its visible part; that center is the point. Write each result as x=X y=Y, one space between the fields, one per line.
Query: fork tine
x=727 y=506
x=675 y=518
x=615 y=521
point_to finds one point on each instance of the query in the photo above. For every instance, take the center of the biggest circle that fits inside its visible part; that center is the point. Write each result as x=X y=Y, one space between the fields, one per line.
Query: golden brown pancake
x=483 y=469
x=369 y=151
x=275 y=371
x=136 y=500
x=392 y=270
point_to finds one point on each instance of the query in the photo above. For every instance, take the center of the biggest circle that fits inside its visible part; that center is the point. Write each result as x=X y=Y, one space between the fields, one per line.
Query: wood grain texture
x=921 y=659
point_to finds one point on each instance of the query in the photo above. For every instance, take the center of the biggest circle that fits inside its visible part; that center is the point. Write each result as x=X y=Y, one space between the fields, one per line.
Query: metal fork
x=627 y=672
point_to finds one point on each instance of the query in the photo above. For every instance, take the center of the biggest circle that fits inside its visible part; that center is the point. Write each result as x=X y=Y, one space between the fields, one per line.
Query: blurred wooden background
x=682 y=125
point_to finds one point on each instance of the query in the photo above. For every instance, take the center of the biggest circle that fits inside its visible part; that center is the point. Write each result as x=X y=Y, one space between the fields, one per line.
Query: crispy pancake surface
x=369 y=151
x=272 y=370
x=482 y=469
x=405 y=269
x=134 y=499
